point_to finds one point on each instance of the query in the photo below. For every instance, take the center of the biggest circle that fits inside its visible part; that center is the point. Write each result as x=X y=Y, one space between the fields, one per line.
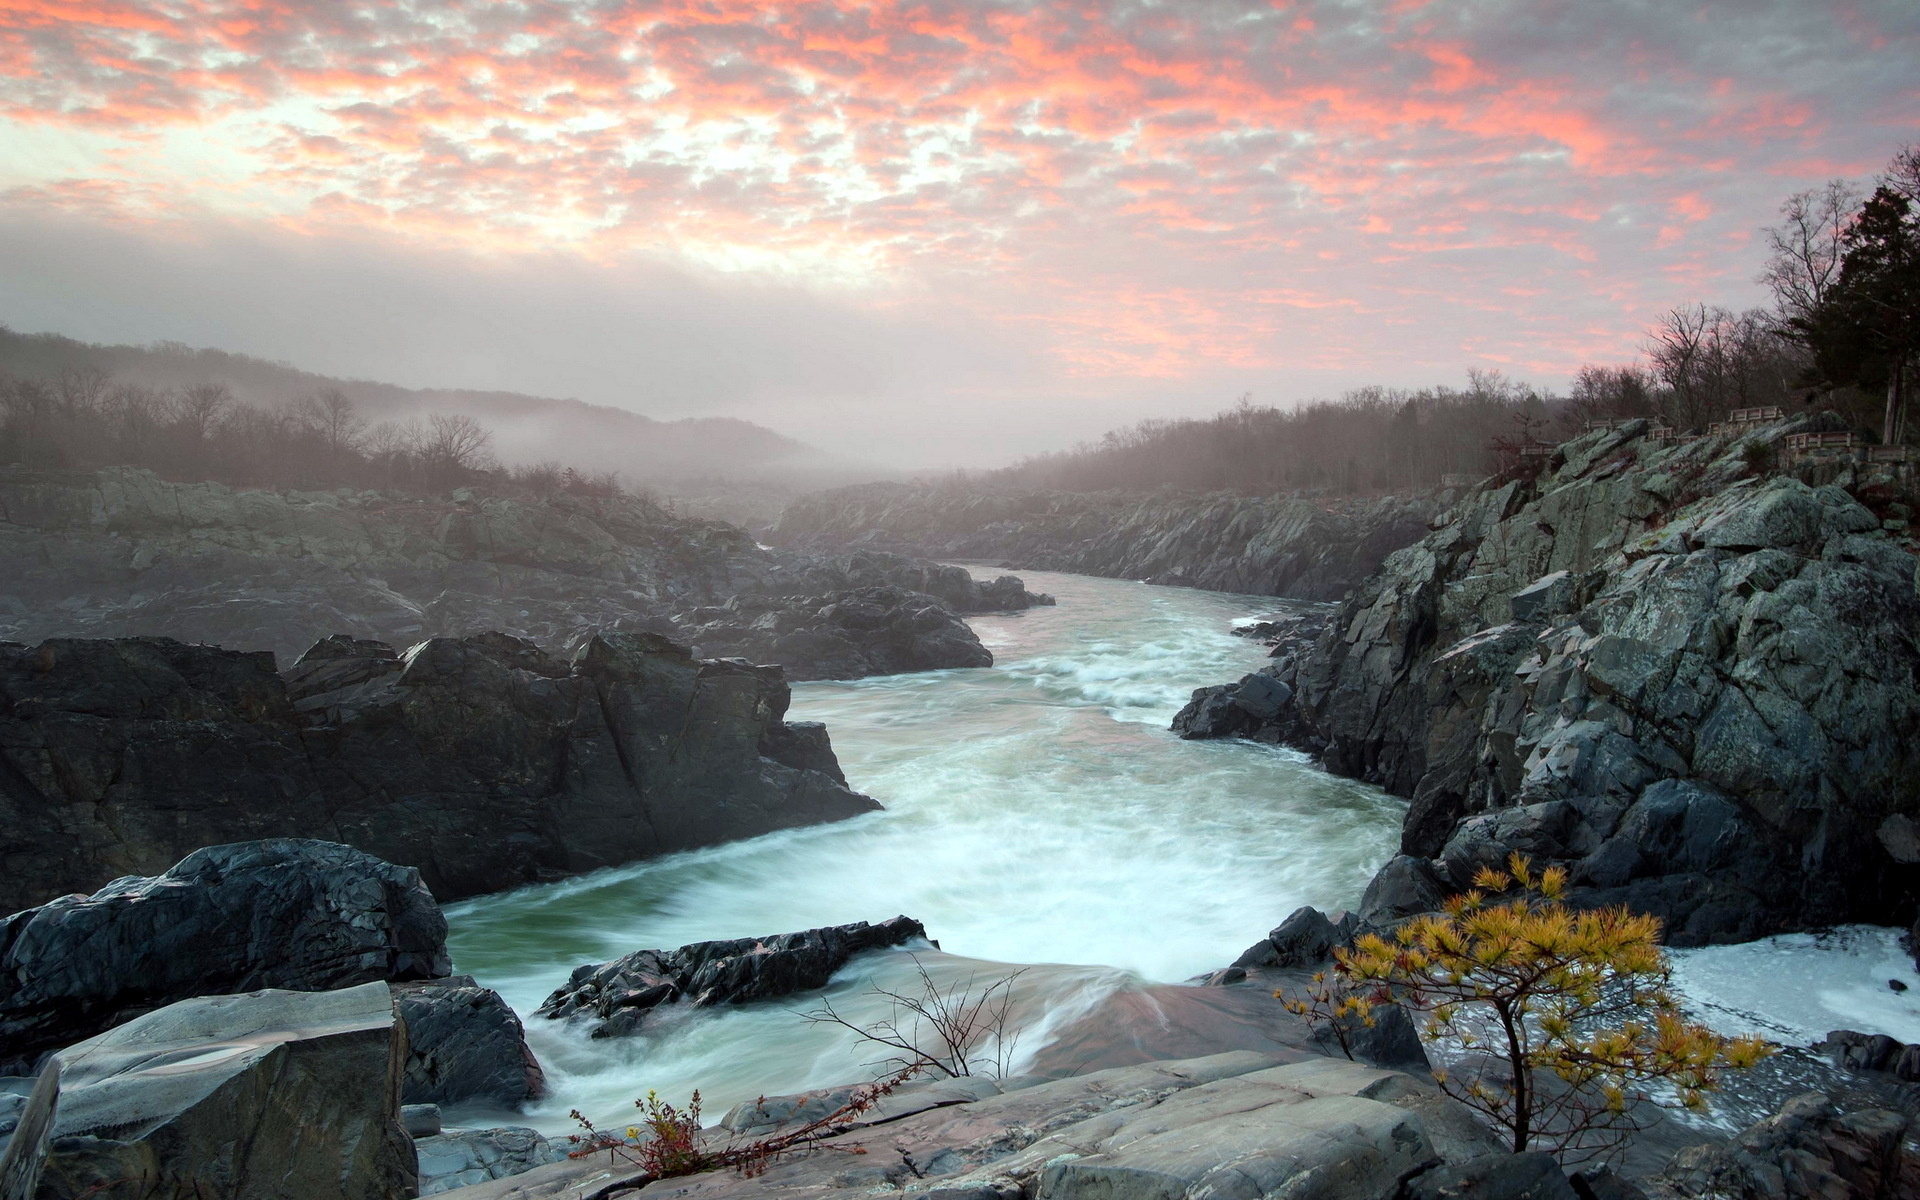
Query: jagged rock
x=617 y=996
x=259 y=1096
x=462 y=1157
x=1531 y=1176
x=299 y=915
x=842 y=635
x=1855 y=1051
x=1692 y=685
x=1305 y=939
x=1309 y=548
x=482 y=761
x=464 y=1044
x=121 y=552
x=1809 y=1150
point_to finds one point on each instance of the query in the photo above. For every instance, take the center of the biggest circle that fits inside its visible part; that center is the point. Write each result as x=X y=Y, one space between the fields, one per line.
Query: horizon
x=933 y=236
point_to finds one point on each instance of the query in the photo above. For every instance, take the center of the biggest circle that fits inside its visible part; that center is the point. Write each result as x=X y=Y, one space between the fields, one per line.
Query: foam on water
x=1797 y=987
x=1038 y=812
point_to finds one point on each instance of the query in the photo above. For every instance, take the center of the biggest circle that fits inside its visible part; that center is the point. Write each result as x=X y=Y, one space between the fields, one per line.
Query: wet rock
x=1809 y=1149
x=1305 y=939
x=842 y=635
x=1854 y=1051
x=614 y=998
x=1531 y=1176
x=253 y=1097
x=460 y=1158
x=465 y=1045
x=483 y=761
x=298 y=915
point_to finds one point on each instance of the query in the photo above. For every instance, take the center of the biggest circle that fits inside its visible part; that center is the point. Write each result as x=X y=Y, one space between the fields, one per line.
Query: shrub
x=1568 y=1015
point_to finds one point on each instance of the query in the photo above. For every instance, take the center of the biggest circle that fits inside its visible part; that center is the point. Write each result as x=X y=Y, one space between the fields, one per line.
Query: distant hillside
x=702 y=454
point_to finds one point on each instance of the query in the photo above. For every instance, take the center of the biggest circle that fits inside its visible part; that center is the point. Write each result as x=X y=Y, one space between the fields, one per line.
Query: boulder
x=298 y=915
x=1305 y=939
x=483 y=761
x=258 y=1096
x=460 y=1158
x=615 y=998
x=841 y=635
x=1810 y=1150
x=1534 y=1175
x=465 y=1046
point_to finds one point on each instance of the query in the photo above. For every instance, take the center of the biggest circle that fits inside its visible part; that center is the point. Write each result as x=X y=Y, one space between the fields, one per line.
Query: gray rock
x=1810 y=1148
x=465 y=1045
x=615 y=998
x=842 y=635
x=282 y=913
x=483 y=761
x=1534 y=1175
x=460 y=1158
x=251 y=1097
x=1299 y=546
x=1641 y=618
x=1305 y=939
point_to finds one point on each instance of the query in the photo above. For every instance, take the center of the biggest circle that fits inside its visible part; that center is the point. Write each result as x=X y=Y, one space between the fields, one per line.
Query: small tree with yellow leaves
x=1568 y=1016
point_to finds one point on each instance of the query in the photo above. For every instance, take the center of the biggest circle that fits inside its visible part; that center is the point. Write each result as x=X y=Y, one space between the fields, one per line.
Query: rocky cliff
x=1687 y=669
x=121 y=552
x=1309 y=548
x=483 y=761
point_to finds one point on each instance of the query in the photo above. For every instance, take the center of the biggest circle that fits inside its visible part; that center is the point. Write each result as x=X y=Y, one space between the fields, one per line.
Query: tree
x=330 y=414
x=1807 y=246
x=1572 y=1008
x=455 y=444
x=953 y=1030
x=199 y=409
x=1865 y=333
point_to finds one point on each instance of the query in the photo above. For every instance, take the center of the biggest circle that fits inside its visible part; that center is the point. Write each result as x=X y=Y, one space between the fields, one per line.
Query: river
x=1041 y=818
x=1038 y=815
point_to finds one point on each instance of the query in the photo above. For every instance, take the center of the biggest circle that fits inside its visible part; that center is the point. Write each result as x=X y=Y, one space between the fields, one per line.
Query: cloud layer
x=1103 y=206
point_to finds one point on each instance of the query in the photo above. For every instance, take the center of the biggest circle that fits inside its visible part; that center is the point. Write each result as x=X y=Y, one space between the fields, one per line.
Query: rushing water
x=1038 y=814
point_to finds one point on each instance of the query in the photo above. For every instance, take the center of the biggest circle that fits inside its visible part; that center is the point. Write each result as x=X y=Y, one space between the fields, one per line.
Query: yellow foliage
x=1582 y=997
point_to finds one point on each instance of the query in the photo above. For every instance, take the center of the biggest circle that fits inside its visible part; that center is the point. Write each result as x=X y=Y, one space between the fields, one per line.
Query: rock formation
x=296 y=915
x=1692 y=679
x=121 y=552
x=616 y=997
x=1306 y=547
x=845 y=635
x=464 y=1046
x=260 y=1096
x=482 y=761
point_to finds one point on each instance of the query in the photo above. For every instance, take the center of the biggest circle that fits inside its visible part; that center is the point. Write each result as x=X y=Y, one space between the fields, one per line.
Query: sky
x=937 y=232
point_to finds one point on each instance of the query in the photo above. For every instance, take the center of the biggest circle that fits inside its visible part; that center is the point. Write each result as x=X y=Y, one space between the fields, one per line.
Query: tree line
x=84 y=419
x=1843 y=333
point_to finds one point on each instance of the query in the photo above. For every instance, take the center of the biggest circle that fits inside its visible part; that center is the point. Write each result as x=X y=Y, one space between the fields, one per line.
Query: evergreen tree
x=1866 y=331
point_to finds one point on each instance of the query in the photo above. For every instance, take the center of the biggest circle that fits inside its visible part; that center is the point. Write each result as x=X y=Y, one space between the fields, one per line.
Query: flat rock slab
x=1239 y=1124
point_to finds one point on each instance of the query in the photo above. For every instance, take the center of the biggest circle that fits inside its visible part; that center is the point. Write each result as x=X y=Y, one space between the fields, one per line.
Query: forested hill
x=526 y=429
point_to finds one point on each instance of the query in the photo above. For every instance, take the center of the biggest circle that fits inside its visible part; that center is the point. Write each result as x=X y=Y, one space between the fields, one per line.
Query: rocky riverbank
x=484 y=762
x=1304 y=547
x=121 y=552
x=1687 y=673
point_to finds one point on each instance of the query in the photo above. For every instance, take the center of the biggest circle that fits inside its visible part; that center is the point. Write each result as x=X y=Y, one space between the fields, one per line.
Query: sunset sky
x=955 y=232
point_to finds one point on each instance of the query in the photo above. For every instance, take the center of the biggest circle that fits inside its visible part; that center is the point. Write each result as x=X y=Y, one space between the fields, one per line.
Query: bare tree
x=198 y=410
x=455 y=444
x=954 y=1030
x=1807 y=246
x=331 y=415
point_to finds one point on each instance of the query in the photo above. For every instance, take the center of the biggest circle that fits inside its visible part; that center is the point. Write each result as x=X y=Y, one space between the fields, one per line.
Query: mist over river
x=1039 y=814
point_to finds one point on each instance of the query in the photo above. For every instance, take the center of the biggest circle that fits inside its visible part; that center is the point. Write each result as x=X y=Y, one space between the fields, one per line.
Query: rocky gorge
x=121 y=552
x=1306 y=547
x=1689 y=670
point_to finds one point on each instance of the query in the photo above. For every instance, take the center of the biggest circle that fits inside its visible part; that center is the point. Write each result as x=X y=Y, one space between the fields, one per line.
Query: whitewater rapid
x=1040 y=817
x=1038 y=814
